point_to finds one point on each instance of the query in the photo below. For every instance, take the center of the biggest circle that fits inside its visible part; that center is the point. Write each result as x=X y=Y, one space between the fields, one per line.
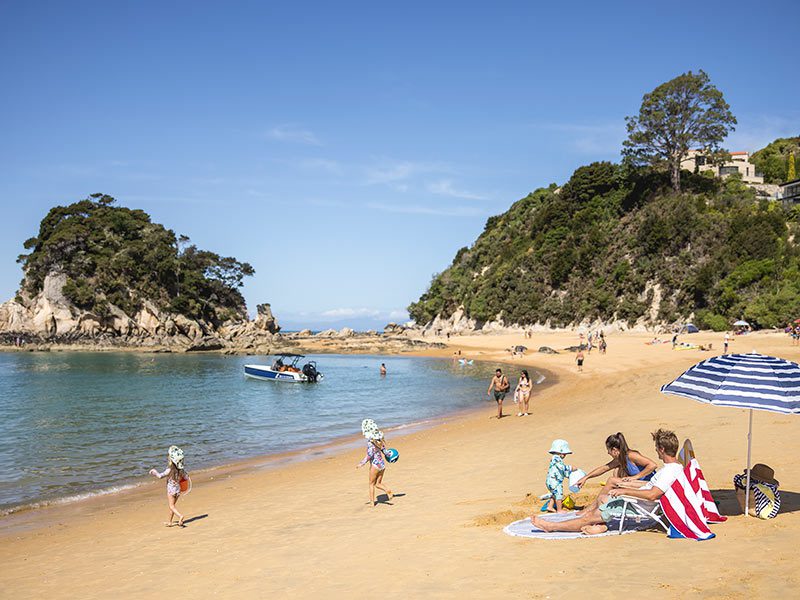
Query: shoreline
x=337 y=444
x=457 y=484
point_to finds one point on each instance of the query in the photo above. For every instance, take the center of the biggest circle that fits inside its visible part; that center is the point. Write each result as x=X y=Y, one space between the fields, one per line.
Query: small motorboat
x=285 y=368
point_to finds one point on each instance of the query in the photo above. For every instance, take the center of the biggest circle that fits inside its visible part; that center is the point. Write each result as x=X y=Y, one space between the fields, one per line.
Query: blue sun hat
x=560 y=447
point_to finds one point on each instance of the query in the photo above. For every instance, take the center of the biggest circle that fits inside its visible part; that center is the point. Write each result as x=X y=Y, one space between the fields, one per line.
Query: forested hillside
x=112 y=255
x=777 y=162
x=616 y=243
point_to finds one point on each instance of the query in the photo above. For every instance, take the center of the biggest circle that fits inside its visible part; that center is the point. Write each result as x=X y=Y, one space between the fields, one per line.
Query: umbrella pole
x=747 y=490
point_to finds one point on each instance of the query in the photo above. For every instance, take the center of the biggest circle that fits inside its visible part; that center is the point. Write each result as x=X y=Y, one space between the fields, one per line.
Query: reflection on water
x=73 y=424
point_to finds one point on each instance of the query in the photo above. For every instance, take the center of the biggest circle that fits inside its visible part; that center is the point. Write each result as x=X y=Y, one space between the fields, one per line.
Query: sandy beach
x=302 y=529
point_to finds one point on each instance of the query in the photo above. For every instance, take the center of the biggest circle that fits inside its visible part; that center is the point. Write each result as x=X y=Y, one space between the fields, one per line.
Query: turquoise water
x=77 y=424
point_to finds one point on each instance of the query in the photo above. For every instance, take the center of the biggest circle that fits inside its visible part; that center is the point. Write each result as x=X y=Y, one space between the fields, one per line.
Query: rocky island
x=101 y=276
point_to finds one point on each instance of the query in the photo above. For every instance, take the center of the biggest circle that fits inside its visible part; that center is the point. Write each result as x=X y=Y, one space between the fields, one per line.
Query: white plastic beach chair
x=638 y=514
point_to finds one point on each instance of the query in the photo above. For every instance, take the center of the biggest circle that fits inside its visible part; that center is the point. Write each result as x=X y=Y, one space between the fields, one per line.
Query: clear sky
x=348 y=149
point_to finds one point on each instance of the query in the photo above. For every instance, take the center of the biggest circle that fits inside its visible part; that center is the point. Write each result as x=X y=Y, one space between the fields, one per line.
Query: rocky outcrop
x=265 y=321
x=50 y=317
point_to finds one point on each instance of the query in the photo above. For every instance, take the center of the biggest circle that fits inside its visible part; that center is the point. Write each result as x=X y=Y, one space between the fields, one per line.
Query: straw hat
x=176 y=456
x=560 y=447
x=763 y=473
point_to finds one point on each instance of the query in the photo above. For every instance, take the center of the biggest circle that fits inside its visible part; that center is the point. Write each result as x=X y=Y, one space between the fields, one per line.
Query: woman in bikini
x=523 y=394
x=630 y=466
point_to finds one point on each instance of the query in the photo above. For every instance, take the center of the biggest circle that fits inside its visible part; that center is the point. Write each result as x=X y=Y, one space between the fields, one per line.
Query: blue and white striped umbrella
x=750 y=381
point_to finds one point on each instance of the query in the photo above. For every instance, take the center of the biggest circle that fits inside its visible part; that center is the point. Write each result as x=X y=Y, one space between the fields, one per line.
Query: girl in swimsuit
x=375 y=448
x=524 y=389
x=632 y=468
x=174 y=473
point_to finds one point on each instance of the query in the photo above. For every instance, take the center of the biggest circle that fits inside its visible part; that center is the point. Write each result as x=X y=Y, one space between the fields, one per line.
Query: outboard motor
x=310 y=371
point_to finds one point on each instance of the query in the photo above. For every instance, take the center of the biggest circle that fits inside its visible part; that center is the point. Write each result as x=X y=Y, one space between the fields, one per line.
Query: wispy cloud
x=294 y=134
x=321 y=164
x=410 y=209
x=445 y=187
x=755 y=132
x=589 y=138
x=393 y=172
x=363 y=312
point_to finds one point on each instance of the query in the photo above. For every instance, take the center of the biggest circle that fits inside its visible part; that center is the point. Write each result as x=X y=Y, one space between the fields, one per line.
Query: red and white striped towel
x=688 y=504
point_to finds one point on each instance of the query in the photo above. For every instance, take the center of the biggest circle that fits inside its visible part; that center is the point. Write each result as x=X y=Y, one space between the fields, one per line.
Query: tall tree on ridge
x=791 y=172
x=686 y=112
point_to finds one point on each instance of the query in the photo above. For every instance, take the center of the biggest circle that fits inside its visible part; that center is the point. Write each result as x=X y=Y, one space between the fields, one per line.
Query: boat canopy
x=289 y=355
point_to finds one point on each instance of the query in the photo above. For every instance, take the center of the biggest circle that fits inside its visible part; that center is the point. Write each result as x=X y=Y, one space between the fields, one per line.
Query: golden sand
x=303 y=530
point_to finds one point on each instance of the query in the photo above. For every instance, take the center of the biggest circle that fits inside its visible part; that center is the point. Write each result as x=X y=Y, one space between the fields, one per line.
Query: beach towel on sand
x=524 y=528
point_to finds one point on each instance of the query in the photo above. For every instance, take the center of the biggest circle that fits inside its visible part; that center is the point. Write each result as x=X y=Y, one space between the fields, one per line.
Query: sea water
x=74 y=425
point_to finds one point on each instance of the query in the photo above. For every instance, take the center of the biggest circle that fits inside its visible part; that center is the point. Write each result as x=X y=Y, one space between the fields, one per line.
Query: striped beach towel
x=689 y=506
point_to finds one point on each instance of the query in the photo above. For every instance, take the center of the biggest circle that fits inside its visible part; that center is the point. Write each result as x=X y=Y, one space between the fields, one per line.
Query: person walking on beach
x=725 y=342
x=500 y=385
x=523 y=394
x=579 y=360
x=175 y=473
x=376 y=445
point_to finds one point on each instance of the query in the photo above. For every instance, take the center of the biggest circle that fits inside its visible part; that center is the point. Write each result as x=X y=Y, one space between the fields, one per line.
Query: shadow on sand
x=729 y=505
x=193 y=519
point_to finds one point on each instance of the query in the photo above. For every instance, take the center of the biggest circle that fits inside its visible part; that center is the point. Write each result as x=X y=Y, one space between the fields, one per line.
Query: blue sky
x=347 y=150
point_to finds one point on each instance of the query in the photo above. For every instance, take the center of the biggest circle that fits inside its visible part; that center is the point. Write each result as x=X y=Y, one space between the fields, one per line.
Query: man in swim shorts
x=500 y=386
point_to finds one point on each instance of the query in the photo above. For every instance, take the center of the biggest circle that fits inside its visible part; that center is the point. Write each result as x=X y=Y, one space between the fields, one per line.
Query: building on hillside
x=789 y=193
x=739 y=163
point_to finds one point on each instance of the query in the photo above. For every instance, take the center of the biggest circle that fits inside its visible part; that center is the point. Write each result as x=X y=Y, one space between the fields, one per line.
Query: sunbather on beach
x=594 y=521
x=630 y=465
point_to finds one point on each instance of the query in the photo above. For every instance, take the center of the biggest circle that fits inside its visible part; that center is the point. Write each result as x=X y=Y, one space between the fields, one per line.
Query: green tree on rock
x=791 y=172
x=683 y=113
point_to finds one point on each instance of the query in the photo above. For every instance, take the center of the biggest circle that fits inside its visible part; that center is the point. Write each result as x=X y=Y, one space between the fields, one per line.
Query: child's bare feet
x=389 y=494
x=168 y=523
x=180 y=523
x=593 y=529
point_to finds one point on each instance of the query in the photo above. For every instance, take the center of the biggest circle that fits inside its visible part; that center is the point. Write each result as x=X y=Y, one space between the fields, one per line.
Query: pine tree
x=791 y=172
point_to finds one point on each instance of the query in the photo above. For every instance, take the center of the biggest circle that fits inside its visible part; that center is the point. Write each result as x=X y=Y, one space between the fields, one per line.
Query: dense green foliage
x=599 y=247
x=773 y=161
x=683 y=113
x=116 y=255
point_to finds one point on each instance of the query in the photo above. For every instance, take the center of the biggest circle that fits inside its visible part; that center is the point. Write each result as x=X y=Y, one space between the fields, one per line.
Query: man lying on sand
x=594 y=521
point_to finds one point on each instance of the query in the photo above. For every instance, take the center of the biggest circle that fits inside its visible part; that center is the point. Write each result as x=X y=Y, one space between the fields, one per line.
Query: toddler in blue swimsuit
x=556 y=473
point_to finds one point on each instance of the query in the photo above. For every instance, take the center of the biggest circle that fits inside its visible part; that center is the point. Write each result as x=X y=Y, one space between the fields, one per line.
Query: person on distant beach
x=376 y=445
x=174 y=474
x=674 y=341
x=603 y=346
x=523 y=394
x=725 y=342
x=630 y=465
x=383 y=369
x=500 y=385
x=557 y=471
x=579 y=360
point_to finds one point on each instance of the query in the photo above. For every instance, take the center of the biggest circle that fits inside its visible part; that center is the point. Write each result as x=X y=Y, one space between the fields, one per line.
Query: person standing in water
x=383 y=369
x=500 y=385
